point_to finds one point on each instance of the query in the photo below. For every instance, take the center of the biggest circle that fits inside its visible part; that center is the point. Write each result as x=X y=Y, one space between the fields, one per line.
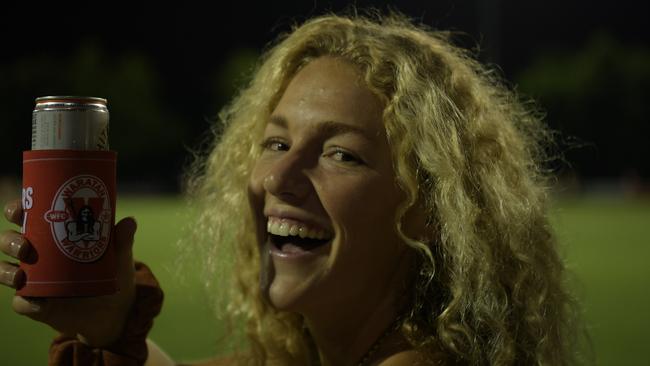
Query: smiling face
x=326 y=172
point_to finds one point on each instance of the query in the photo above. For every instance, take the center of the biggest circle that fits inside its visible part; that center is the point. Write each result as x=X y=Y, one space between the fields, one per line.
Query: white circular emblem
x=80 y=218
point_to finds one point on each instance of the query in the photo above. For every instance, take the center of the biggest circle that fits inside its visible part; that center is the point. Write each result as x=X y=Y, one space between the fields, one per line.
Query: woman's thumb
x=123 y=236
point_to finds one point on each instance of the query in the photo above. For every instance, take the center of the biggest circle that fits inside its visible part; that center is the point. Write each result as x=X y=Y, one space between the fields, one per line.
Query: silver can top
x=70 y=123
x=71 y=102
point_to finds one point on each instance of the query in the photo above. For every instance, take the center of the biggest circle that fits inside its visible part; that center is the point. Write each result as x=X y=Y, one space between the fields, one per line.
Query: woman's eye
x=345 y=157
x=274 y=144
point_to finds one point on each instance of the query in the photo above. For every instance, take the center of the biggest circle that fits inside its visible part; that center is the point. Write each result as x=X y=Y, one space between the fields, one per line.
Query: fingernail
x=19 y=279
x=8 y=277
x=34 y=306
x=10 y=208
x=34 y=303
x=15 y=245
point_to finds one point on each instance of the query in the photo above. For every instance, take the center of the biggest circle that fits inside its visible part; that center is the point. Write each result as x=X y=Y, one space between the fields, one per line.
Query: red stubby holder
x=68 y=203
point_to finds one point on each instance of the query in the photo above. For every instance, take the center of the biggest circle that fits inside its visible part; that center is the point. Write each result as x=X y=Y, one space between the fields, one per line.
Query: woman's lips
x=293 y=251
x=291 y=227
x=292 y=236
x=288 y=213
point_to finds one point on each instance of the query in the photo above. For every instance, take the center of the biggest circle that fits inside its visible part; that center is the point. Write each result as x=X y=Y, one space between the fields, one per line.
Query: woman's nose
x=286 y=178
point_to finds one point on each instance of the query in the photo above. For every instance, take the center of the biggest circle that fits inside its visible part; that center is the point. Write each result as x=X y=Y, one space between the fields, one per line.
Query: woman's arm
x=157 y=357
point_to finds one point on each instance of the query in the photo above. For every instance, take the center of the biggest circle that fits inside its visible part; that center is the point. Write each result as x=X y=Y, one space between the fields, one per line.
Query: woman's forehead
x=330 y=89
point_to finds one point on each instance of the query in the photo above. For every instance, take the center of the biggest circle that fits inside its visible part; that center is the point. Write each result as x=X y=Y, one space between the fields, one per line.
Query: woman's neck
x=344 y=336
x=347 y=339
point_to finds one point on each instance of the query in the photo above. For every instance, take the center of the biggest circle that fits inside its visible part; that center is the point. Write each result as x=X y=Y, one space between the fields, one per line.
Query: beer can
x=70 y=123
x=69 y=197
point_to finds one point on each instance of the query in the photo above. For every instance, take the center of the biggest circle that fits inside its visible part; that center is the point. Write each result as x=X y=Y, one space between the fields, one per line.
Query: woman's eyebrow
x=327 y=128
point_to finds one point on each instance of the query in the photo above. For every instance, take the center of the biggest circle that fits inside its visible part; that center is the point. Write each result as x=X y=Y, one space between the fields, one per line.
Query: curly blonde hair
x=489 y=287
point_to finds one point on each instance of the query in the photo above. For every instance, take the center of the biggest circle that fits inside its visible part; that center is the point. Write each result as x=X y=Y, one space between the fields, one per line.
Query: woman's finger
x=35 y=308
x=15 y=245
x=14 y=212
x=11 y=275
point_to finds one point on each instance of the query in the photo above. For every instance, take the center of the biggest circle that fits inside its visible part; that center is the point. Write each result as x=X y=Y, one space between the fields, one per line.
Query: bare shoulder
x=411 y=358
x=220 y=361
x=158 y=357
x=223 y=361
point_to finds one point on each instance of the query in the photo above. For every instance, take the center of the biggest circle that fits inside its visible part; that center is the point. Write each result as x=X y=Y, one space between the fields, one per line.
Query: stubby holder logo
x=80 y=218
x=69 y=213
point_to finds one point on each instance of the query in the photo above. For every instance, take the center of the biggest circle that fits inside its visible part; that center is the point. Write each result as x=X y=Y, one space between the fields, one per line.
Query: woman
x=382 y=198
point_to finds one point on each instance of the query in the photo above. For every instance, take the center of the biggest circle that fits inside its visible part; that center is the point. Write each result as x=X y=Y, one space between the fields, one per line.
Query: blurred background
x=167 y=71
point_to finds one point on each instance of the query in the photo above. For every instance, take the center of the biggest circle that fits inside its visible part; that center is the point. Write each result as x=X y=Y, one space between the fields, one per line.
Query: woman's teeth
x=284 y=228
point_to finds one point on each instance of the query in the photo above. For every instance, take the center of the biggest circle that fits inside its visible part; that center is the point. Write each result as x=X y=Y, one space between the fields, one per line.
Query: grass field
x=606 y=243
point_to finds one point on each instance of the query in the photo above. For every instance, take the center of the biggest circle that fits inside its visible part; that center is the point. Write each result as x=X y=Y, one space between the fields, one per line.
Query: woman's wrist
x=104 y=335
x=130 y=347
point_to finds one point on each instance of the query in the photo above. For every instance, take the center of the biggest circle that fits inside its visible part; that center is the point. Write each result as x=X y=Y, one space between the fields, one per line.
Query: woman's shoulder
x=220 y=361
x=404 y=358
x=158 y=357
x=414 y=357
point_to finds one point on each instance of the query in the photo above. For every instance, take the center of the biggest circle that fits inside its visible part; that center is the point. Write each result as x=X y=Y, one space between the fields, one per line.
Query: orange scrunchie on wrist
x=131 y=347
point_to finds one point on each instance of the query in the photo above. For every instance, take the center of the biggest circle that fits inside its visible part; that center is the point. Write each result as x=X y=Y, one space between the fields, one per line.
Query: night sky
x=188 y=42
x=186 y=35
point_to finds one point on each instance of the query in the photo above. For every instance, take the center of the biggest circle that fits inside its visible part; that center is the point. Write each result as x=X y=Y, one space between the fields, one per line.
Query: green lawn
x=608 y=248
x=606 y=242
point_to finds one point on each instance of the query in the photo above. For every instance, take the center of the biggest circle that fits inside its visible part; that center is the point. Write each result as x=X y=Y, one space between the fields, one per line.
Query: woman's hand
x=96 y=321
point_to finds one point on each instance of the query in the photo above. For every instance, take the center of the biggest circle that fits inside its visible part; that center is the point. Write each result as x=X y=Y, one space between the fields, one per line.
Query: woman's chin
x=295 y=277
x=290 y=293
